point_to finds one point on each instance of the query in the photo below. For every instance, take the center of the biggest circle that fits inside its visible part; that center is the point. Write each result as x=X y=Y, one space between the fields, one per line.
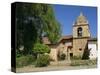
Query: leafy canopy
x=32 y=21
x=41 y=48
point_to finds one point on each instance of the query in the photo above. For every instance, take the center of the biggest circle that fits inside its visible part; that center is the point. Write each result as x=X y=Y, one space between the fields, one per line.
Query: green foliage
x=83 y=62
x=42 y=60
x=26 y=31
x=18 y=53
x=40 y=48
x=24 y=60
x=76 y=58
x=32 y=20
x=86 y=53
x=63 y=56
x=51 y=25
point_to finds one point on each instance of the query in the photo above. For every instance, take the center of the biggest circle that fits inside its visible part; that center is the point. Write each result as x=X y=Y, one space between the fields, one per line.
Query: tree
x=26 y=31
x=40 y=48
x=32 y=20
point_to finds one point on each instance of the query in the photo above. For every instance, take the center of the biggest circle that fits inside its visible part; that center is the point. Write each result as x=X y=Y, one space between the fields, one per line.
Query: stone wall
x=79 y=46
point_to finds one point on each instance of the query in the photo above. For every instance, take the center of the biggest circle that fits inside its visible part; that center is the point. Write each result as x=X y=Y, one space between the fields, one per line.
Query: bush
x=18 y=53
x=83 y=62
x=63 y=56
x=24 y=60
x=42 y=60
x=40 y=48
x=76 y=58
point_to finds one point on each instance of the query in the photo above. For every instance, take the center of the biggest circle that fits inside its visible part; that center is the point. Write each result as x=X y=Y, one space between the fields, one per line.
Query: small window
x=80 y=49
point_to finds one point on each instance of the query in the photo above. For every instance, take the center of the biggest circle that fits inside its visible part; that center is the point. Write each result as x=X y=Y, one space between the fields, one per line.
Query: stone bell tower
x=81 y=33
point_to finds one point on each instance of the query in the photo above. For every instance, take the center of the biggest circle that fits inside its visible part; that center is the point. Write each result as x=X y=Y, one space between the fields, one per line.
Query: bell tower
x=81 y=33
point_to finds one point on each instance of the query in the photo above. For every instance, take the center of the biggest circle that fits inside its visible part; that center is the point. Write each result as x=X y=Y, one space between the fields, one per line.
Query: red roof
x=66 y=37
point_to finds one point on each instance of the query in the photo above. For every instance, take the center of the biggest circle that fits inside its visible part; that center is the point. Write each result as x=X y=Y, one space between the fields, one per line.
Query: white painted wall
x=93 y=51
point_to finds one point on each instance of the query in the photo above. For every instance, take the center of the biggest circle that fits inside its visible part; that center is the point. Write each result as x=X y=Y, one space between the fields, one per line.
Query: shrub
x=76 y=58
x=18 y=53
x=83 y=62
x=24 y=60
x=40 y=48
x=63 y=56
x=42 y=60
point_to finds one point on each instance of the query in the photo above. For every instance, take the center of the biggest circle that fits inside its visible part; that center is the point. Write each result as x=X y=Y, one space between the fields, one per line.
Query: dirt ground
x=53 y=67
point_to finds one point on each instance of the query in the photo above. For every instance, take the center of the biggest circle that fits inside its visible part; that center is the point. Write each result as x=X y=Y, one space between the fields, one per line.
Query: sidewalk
x=31 y=68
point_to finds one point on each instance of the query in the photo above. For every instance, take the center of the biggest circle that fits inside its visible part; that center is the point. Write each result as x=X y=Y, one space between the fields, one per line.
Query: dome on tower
x=81 y=20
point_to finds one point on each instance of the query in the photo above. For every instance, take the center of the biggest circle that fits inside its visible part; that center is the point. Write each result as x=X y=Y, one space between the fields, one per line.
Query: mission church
x=79 y=44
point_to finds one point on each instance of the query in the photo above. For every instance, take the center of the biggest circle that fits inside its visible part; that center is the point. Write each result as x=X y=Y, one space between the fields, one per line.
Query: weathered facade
x=76 y=45
x=81 y=34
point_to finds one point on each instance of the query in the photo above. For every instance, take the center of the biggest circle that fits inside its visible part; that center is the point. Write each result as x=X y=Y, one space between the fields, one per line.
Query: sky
x=67 y=14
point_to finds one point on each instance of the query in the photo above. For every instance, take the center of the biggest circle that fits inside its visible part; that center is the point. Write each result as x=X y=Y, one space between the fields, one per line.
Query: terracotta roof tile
x=66 y=37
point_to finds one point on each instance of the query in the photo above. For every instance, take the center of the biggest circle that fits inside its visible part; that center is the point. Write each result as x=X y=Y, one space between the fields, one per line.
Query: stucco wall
x=53 y=54
x=93 y=50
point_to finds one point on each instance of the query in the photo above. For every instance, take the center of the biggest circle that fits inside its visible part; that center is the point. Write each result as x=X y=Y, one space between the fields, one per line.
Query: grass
x=30 y=60
x=27 y=60
x=83 y=62
x=24 y=61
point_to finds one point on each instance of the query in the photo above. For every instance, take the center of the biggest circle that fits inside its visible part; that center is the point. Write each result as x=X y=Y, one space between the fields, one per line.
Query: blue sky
x=67 y=15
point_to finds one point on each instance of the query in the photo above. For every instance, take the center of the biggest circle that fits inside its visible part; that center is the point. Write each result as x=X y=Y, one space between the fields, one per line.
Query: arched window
x=79 y=32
